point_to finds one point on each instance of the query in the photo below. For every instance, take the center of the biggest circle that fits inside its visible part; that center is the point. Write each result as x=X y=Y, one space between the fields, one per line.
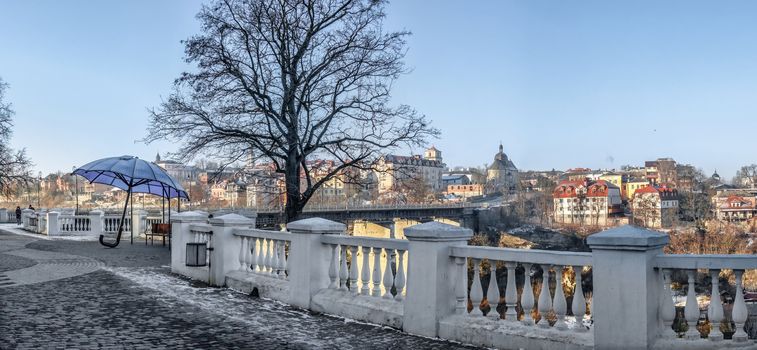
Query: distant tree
x=14 y=164
x=291 y=81
x=746 y=176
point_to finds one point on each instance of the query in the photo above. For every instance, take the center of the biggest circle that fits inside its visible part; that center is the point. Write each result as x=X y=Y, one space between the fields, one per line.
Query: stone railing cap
x=96 y=211
x=231 y=220
x=186 y=216
x=316 y=226
x=437 y=231
x=628 y=236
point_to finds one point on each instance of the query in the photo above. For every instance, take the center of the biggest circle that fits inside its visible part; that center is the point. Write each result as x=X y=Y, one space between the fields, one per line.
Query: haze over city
x=590 y=84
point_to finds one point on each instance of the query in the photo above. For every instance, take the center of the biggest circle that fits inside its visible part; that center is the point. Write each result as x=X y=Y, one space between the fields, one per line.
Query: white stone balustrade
x=712 y=264
x=74 y=223
x=380 y=262
x=549 y=261
x=111 y=223
x=263 y=252
x=421 y=285
x=202 y=233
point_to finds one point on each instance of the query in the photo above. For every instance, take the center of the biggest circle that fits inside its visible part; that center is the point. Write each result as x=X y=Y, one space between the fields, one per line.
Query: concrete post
x=4 y=215
x=25 y=214
x=52 y=223
x=226 y=247
x=96 y=221
x=430 y=275
x=626 y=287
x=309 y=259
x=180 y=236
x=137 y=225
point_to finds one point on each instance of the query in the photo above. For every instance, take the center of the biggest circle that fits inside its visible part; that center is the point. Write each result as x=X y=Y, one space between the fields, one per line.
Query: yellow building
x=613 y=178
x=631 y=185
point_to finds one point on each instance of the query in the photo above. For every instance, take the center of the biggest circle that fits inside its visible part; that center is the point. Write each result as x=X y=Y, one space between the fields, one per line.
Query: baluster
x=283 y=260
x=276 y=265
x=241 y=253
x=343 y=273
x=667 y=309
x=461 y=286
x=526 y=297
x=545 y=299
x=388 y=281
x=376 y=290
x=353 y=270
x=579 y=302
x=365 y=273
x=476 y=292
x=715 y=310
x=249 y=259
x=740 y=312
x=332 y=268
x=492 y=293
x=399 y=280
x=257 y=249
x=266 y=255
x=560 y=305
x=511 y=293
x=691 y=311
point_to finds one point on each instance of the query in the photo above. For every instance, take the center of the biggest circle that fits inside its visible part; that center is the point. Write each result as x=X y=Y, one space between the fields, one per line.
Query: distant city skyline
x=563 y=85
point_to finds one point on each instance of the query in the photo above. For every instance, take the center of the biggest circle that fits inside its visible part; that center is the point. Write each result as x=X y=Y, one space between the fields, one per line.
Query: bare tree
x=14 y=165
x=746 y=176
x=291 y=80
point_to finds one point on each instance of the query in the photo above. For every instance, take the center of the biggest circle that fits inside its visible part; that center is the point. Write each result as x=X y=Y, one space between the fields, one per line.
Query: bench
x=161 y=230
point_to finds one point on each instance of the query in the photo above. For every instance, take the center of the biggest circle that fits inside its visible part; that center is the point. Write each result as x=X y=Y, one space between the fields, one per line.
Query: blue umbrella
x=133 y=175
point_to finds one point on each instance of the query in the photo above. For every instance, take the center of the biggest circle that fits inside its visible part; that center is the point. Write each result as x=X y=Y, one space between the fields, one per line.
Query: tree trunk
x=294 y=200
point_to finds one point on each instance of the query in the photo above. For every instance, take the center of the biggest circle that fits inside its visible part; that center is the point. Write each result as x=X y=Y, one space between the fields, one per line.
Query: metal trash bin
x=197 y=254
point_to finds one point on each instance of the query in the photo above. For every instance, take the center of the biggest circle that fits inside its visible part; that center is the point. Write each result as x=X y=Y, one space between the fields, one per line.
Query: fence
x=433 y=284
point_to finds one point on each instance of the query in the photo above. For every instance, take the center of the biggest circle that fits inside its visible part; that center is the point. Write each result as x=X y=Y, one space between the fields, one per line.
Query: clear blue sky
x=561 y=83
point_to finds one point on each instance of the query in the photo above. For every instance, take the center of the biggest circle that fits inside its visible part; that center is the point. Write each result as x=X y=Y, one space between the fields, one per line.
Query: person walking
x=18 y=215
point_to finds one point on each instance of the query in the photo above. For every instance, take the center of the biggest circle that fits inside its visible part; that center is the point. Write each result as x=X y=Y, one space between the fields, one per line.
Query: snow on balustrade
x=713 y=265
x=531 y=263
x=356 y=265
x=264 y=252
x=111 y=223
x=74 y=223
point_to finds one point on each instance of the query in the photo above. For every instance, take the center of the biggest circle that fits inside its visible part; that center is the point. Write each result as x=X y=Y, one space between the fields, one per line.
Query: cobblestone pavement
x=133 y=302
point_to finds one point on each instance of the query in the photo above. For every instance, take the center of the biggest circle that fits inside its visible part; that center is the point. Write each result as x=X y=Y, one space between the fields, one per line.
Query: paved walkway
x=63 y=294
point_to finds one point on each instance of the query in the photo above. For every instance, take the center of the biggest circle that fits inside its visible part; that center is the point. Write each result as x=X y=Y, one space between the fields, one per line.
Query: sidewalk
x=133 y=301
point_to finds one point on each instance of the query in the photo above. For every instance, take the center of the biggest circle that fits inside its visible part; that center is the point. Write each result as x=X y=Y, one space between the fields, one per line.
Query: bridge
x=462 y=213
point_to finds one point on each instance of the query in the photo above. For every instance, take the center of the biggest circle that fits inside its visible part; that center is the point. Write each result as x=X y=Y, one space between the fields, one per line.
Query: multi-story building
x=502 y=175
x=655 y=207
x=733 y=207
x=613 y=178
x=465 y=191
x=661 y=171
x=631 y=185
x=586 y=202
x=398 y=173
x=178 y=171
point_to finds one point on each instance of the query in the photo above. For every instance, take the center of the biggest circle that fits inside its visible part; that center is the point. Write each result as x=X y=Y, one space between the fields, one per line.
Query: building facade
x=655 y=207
x=401 y=173
x=586 y=202
x=735 y=207
x=502 y=175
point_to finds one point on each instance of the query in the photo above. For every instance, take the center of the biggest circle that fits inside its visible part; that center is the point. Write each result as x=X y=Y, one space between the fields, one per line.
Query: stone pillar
x=96 y=222
x=626 y=287
x=4 y=216
x=137 y=224
x=25 y=214
x=226 y=246
x=52 y=223
x=180 y=236
x=430 y=275
x=309 y=258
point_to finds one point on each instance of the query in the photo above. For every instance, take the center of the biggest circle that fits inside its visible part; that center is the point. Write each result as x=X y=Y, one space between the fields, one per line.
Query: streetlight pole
x=76 y=184
x=39 y=184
